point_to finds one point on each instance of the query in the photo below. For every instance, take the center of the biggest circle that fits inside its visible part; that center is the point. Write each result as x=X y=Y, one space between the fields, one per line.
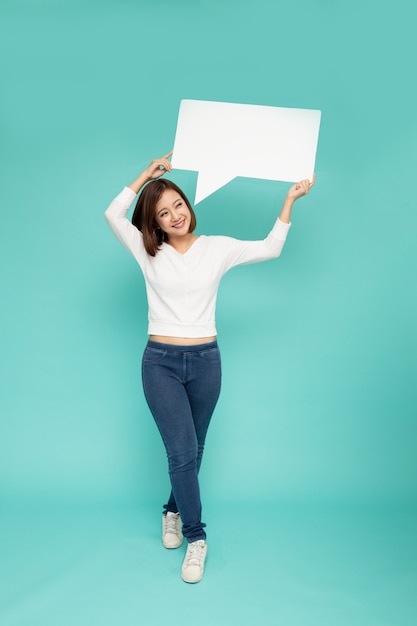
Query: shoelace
x=172 y=524
x=195 y=553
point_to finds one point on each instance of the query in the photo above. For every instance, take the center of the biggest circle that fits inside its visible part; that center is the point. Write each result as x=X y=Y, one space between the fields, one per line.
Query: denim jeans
x=182 y=386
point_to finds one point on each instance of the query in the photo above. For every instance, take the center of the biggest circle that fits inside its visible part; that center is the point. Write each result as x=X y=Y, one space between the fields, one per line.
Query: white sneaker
x=193 y=565
x=171 y=530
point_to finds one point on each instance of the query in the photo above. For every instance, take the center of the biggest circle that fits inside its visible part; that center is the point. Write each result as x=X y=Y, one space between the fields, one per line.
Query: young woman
x=181 y=368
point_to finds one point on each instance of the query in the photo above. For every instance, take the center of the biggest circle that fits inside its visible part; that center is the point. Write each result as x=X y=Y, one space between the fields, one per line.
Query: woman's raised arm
x=296 y=191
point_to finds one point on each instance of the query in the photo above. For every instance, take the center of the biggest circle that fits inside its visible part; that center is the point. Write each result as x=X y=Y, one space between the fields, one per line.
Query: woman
x=181 y=368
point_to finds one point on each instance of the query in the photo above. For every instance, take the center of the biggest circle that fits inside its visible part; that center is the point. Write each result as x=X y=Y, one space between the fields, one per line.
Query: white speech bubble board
x=221 y=140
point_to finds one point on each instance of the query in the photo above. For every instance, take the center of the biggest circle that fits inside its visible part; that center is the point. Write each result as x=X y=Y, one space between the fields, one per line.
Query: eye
x=163 y=214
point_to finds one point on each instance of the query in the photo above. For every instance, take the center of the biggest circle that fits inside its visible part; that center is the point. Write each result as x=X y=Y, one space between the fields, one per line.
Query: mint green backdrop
x=319 y=347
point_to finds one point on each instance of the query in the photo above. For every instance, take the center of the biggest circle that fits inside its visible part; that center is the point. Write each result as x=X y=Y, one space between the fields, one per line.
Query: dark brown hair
x=144 y=214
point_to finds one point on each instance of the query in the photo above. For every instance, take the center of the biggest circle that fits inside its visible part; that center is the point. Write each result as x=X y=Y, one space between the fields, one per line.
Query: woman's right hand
x=155 y=169
x=158 y=167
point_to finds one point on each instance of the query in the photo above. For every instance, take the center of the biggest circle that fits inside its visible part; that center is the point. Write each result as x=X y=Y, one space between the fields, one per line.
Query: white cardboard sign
x=221 y=140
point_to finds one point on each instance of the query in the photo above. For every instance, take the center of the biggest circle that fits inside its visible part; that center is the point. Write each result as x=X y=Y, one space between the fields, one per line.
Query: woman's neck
x=182 y=244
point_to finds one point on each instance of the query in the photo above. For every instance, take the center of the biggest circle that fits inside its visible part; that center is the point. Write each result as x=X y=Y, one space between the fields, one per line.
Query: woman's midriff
x=182 y=341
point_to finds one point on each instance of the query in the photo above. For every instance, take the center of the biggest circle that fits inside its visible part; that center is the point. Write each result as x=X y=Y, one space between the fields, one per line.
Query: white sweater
x=182 y=288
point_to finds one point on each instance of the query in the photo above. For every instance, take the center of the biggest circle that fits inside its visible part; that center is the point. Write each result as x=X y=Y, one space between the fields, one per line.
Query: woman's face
x=172 y=214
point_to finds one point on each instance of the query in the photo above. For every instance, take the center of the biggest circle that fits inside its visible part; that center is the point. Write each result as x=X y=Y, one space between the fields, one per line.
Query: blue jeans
x=182 y=386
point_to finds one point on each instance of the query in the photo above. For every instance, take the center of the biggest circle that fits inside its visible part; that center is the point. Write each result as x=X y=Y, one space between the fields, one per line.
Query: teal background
x=310 y=472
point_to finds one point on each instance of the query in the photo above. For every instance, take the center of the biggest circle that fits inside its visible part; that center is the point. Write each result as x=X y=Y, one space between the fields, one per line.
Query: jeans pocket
x=212 y=355
x=152 y=355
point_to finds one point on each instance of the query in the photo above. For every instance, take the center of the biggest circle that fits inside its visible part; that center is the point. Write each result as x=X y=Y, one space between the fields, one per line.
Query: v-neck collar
x=168 y=246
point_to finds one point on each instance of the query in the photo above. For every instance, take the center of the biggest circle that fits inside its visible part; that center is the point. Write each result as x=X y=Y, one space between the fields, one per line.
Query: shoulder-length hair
x=144 y=214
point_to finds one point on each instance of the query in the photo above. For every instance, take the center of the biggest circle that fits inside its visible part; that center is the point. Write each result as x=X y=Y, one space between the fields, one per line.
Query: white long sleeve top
x=182 y=288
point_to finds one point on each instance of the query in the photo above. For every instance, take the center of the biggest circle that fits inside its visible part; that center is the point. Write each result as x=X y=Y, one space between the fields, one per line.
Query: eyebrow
x=179 y=199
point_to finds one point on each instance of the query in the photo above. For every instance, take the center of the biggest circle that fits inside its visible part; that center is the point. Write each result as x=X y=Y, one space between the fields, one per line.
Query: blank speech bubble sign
x=221 y=140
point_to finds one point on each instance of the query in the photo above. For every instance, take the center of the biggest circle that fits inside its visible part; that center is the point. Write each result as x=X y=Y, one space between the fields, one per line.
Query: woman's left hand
x=300 y=189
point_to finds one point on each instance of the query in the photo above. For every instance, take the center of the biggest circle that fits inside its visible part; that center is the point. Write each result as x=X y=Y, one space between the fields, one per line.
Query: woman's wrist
x=285 y=214
x=137 y=184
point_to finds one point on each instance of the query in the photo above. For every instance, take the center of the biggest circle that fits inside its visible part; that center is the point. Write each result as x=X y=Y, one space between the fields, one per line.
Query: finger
x=166 y=164
x=168 y=154
x=155 y=170
x=162 y=163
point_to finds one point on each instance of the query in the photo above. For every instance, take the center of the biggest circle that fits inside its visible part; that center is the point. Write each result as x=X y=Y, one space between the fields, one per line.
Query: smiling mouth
x=180 y=224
